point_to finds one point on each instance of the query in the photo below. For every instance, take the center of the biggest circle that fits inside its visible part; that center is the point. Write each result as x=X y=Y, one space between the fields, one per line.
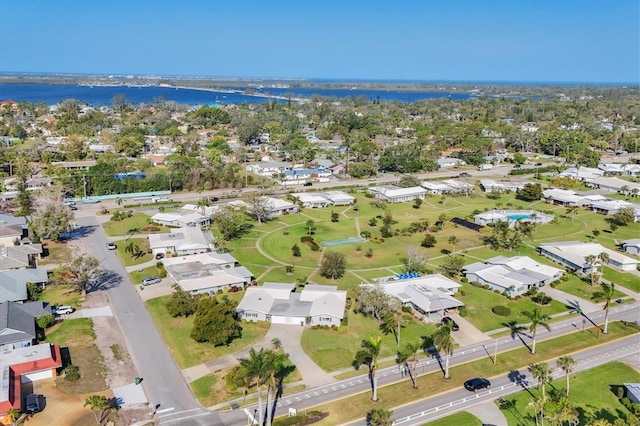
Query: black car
x=474 y=385
x=454 y=325
x=72 y=207
x=308 y=184
x=464 y=174
x=34 y=403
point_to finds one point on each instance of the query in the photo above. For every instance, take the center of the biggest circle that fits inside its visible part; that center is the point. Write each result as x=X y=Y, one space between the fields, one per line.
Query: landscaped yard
x=138 y=276
x=186 y=351
x=355 y=407
x=592 y=392
x=459 y=419
x=76 y=340
x=577 y=287
x=139 y=251
x=138 y=221
x=61 y=295
x=624 y=279
x=335 y=349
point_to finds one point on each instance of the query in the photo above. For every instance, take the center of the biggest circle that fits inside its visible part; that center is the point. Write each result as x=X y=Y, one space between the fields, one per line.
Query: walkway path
x=489 y=414
x=585 y=305
x=289 y=336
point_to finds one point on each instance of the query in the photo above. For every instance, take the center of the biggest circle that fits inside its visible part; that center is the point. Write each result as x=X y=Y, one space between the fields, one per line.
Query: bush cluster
x=502 y=311
x=311 y=242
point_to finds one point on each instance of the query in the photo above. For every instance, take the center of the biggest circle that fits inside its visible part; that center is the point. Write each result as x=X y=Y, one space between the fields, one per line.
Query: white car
x=64 y=310
x=151 y=281
x=111 y=245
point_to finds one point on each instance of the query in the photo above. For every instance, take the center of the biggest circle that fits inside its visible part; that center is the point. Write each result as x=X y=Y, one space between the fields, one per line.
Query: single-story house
x=514 y=275
x=430 y=295
x=396 y=194
x=581 y=173
x=309 y=200
x=613 y=184
x=269 y=168
x=13 y=283
x=633 y=392
x=18 y=323
x=339 y=198
x=563 y=197
x=631 y=246
x=573 y=254
x=278 y=303
x=449 y=162
x=620 y=169
x=206 y=273
x=274 y=206
x=610 y=207
x=305 y=175
x=18 y=257
x=203 y=210
x=182 y=241
x=512 y=217
x=75 y=165
x=448 y=186
x=490 y=186
x=181 y=218
x=11 y=233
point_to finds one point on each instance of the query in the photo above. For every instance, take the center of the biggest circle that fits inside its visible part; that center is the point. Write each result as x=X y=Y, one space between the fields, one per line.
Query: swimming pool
x=519 y=216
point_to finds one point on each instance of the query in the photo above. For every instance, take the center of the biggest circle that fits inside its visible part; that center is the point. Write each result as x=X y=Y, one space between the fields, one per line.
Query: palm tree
x=369 y=354
x=277 y=361
x=607 y=293
x=132 y=248
x=391 y=324
x=542 y=372
x=592 y=262
x=407 y=356
x=537 y=405
x=257 y=367
x=571 y=210
x=203 y=203
x=567 y=363
x=537 y=318
x=443 y=341
x=132 y=232
x=453 y=240
x=380 y=417
x=119 y=201
x=276 y=343
x=13 y=415
x=99 y=405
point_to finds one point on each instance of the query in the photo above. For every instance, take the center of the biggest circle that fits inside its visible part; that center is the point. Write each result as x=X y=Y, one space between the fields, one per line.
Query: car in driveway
x=474 y=385
x=111 y=245
x=64 y=310
x=454 y=325
x=151 y=281
x=34 y=403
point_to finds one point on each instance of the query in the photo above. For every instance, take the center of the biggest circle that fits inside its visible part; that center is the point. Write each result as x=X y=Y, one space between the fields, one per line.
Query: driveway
x=468 y=333
x=570 y=299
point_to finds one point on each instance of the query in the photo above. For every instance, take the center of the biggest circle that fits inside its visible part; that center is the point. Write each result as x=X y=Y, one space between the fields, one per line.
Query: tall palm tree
x=203 y=203
x=593 y=270
x=277 y=361
x=257 y=366
x=542 y=372
x=369 y=354
x=407 y=357
x=567 y=364
x=132 y=248
x=537 y=405
x=607 y=293
x=443 y=341
x=537 y=318
x=392 y=323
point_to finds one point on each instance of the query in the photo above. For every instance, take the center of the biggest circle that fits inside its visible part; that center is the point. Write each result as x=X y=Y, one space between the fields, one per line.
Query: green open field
x=186 y=351
x=138 y=221
x=624 y=279
x=592 y=392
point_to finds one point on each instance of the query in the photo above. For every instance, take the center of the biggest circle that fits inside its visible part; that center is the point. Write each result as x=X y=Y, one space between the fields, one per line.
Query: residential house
x=573 y=254
x=75 y=165
x=305 y=175
x=490 y=186
x=9 y=234
x=13 y=283
x=181 y=219
x=396 y=194
x=512 y=217
x=449 y=186
x=269 y=168
x=430 y=295
x=278 y=303
x=581 y=173
x=19 y=257
x=182 y=241
x=206 y=273
x=563 y=197
x=511 y=275
x=611 y=207
x=311 y=200
x=631 y=246
x=339 y=198
x=447 y=162
x=614 y=184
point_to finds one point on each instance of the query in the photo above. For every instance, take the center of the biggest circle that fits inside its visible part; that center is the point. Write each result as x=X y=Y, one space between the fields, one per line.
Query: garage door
x=34 y=377
x=276 y=319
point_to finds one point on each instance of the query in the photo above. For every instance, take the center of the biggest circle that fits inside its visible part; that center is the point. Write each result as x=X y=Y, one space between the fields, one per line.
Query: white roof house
x=430 y=294
x=339 y=198
x=514 y=275
x=489 y=186
x=574 y=253
x=324 y=199
x=278 y=303
x=610 y=207
x=206 y=273
x=203 y=210
x=448 y=186
x=620 y=169
x=311 y=200
x=613 y=184
x=449 y=162
x=581 y=173
x=396 y=194
x=181 y=218
x=512 y=217
x=275 y=206
x=631 y=246
x=182 y=241
x=563 y=197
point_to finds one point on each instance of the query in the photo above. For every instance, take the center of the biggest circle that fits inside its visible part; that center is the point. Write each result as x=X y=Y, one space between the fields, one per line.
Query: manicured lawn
x=279 y=275
x=577 y=287
x=138 y=276
x=480 y=301
x=61 y=295
x=459 y=419
x=355 y=407
x=186 y=351
x=278 y=245
x=76 y=340
x=346 y=282
x=127 y=258
x=624 y=279
x=138 y=221
x=333 y=350
x=592 y=392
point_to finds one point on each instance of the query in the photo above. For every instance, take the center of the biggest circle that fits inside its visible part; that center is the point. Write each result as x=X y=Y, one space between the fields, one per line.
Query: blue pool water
x=519 y=216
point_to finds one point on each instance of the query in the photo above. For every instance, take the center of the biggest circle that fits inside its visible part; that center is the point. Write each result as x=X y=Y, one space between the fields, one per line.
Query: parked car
x=159 y=256
x=64 y=310
x=34 y=403
x=111 y=245
x=464 y=174
x=454 y=325
x=213 y=199
x=474 y=385
x=72 y=207
x=517 y=166
x=538 y=164
x=308 y=184
x=151 y=281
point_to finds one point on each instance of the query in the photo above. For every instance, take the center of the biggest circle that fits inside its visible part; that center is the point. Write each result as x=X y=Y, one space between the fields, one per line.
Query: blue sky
x=454 y=40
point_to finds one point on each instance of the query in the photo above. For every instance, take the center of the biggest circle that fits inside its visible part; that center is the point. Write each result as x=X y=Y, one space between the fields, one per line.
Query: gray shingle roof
x=16 y=324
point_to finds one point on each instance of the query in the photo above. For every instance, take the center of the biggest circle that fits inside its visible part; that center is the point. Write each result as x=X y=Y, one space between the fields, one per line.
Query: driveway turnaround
x=489 y=414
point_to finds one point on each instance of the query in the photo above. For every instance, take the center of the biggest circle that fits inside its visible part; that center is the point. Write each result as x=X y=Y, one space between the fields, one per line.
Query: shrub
x=502 y=311
x=464 y=280
x=72 y=373
x=406 y=309
x=463 y=312
x=541 y=299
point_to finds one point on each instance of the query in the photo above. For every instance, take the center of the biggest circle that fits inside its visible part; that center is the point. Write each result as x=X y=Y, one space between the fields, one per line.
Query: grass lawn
x=577 y=287
x=480 y=301
x=53 y=252
x=61 y=295
x=279 y=275
x=592 y=392
x=127 y=258
x=624 y=279
x=186 y=351
x=76 y=340
x=138 y=221
x=355 y=407
x=138 y=276
x=459 y=419
x=333 y=350
x=347 y=281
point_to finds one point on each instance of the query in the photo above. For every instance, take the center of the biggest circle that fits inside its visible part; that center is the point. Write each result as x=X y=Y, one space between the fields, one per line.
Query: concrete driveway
x=468 y=333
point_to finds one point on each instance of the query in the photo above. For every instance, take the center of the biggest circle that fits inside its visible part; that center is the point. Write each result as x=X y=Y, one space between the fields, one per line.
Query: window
x=325 y=319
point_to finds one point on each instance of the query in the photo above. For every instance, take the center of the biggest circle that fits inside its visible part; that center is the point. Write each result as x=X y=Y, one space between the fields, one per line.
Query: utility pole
x=84 y=184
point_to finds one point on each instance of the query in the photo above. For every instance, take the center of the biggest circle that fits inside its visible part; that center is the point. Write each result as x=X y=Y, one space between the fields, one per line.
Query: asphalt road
x=162 y=381
x=354 y=385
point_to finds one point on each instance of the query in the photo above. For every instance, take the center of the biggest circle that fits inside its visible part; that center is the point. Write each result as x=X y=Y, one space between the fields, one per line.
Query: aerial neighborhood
x=322 y=259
